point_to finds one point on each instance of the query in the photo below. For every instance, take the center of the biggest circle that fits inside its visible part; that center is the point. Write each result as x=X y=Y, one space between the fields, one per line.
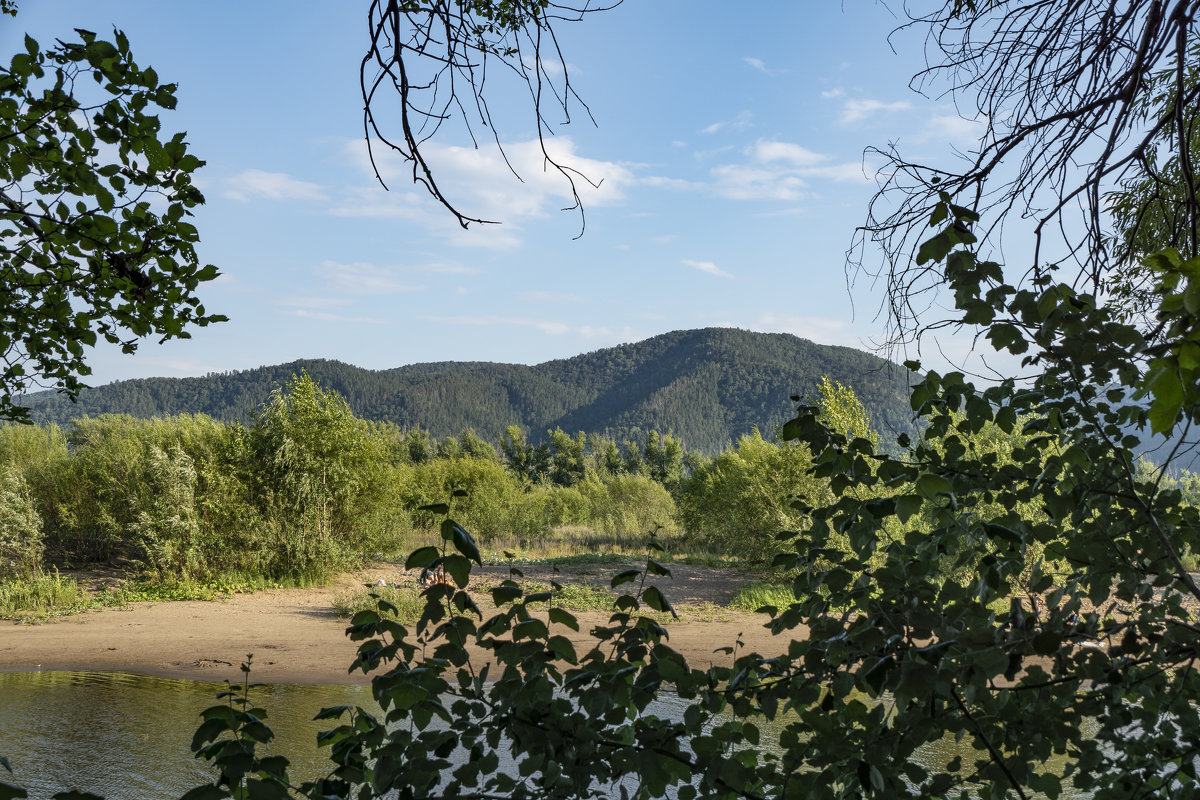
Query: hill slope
x=707 y=386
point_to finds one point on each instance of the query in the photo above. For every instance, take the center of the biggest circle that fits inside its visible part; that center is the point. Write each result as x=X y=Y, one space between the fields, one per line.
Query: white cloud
x=548 y=297
x=772 y=171
x=750 y=182
x=600 y=334
x=706 y=266
x=830 y=94
x=954 y=129
x=741 y=122
x=480 y=182
x=855 y=110
x=766 y=152
x=324 y=316
x=362 y=278
x=666 y=238
x=255 y=183
x=822 y=330
x=309 y=302
x=758 y=64
x=545 y=326
x=447 y=269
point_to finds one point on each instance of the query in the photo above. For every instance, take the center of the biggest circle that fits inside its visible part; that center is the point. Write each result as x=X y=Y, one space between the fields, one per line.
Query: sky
x=728 y=144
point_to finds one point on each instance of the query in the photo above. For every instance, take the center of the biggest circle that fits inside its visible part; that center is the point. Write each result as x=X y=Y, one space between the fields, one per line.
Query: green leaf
x=654 y=598
x=530 y=629
x=563 y=617
x=907 y=505
x=435 y=508
x=1047 y=643
x=9 y=791
x=930 y=486
x=561 y=646
x=504 y=594
x=655 y=568
x=459 y=569
x=463 y=541
x=75 y=794
x=625 y=577
x=333 y=712
x=421 y=557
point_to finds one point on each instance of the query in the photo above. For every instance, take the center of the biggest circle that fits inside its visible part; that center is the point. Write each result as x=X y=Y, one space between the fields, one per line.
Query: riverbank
x=295 y=635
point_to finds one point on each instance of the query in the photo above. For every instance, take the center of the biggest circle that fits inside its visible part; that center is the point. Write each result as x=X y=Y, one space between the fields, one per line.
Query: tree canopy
x=94 y=201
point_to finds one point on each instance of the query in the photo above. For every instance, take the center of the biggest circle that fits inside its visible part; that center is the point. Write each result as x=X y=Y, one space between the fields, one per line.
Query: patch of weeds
x=762 y=593
x=572 y=596
x=167 y=589
x=703 y=612
x=36 y=598
x=407 y=600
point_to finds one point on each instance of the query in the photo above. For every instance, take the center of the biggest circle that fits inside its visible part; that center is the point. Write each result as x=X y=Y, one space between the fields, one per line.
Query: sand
x=296 y=637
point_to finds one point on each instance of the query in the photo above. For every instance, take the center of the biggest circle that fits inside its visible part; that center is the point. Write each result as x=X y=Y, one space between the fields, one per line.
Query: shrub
x=20 y=527
x=628 y=505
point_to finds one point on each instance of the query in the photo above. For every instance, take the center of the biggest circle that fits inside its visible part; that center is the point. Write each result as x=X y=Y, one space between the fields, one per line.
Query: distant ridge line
x=707 y=386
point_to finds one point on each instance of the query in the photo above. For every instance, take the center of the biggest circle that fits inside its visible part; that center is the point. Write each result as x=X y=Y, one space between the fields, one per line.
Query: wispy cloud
x=758 y=64
x=771 y=170
x=481 y=183
x=706 y=266
x=754 y=182
x=741 y=122
x=598 y=333
x=447 y=269
x=544 y=326
x=325 y=316
x=255 y=183
x=548 y=297
x=312 y=301
x=361 y=278
x=954 y=129
x=856 y=110
x=766 y=151
x=822 y=330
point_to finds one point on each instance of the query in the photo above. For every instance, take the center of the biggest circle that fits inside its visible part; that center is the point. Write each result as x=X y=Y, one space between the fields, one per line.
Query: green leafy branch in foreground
x=94 y=242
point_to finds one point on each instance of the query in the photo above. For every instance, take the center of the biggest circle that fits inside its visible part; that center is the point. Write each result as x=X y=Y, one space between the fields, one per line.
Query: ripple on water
x=126 y=736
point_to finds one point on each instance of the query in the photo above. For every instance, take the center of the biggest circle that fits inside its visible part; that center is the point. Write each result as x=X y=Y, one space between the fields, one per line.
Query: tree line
x=709 y=387
x=308 y=488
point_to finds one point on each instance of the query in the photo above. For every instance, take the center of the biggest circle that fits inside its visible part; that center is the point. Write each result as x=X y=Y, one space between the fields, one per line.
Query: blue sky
x=730 y=142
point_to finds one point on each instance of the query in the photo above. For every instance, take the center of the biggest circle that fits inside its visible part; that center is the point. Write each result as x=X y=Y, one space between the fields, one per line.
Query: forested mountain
x=707 y=386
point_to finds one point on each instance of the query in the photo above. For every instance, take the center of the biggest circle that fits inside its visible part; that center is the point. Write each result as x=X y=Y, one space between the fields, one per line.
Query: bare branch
x=434 y=56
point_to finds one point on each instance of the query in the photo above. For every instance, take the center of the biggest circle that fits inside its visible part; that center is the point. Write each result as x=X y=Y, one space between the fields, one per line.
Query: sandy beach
x=296 y=637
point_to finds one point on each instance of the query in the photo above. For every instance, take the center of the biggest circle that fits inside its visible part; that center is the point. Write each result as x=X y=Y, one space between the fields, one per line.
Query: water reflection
x=127 y=737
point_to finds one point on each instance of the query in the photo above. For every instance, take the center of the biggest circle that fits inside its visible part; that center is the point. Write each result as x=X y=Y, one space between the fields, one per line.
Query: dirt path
x=296 y=637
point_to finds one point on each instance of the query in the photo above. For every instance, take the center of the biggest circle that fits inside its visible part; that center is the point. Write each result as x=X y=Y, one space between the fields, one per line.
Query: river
x=127 y=737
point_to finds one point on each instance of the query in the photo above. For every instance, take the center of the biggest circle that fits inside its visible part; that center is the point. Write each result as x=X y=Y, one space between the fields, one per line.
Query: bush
x=628 y=505
x=493 y=506
x=740 y=500
x=20 y=527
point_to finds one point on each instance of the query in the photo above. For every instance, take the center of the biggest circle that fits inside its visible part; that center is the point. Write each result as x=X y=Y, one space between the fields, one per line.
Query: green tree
x=20 y=527
x=94 y=200
x=318 y=468
x=742 y=499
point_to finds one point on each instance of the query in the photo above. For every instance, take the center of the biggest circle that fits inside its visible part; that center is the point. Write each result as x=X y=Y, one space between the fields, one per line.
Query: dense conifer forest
x=708 y=387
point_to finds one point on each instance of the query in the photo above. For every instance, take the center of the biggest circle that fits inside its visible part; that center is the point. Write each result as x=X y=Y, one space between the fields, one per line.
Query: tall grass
x=762 y=593
x=407 y=600
x=41 y=596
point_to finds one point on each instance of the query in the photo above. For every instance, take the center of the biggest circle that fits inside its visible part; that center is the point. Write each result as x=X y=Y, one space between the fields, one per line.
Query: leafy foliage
x=94 y=238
